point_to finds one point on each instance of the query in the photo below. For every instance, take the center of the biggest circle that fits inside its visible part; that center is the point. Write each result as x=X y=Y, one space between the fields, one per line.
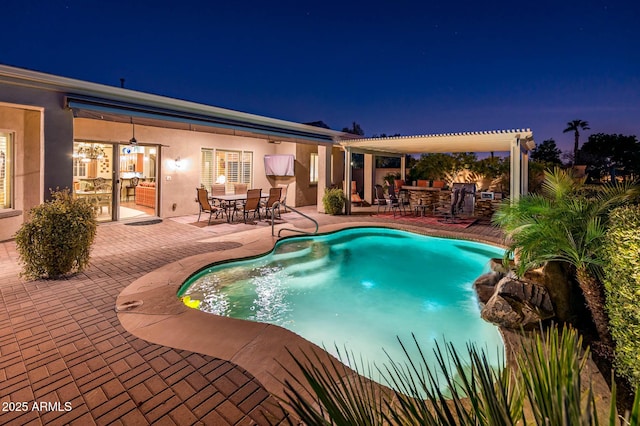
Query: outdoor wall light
x=178 y=162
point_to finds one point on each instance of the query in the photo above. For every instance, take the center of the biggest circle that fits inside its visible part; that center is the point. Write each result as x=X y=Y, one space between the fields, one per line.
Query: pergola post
x=525 y=172
x=403 y=168
x=514 y=179
x=519 y=179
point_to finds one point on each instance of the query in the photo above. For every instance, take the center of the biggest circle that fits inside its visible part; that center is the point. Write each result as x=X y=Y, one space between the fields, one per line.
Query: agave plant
x=568 y=224
x=547 y=381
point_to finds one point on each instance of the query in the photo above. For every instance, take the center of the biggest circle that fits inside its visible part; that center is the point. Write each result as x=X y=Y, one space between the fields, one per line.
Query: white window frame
x=7 y=171
x=313 y=168
x=209 y=173
x=207 y=167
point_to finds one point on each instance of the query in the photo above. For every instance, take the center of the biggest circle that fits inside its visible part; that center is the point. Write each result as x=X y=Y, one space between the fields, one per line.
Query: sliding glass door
x=137 y=170
x=119 y=179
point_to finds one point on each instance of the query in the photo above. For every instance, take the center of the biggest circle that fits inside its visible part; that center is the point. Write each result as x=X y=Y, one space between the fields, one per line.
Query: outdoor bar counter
x=425 y=195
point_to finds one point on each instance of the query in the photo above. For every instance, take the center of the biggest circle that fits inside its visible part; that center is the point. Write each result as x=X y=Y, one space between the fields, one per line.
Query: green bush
x=333 y=200
x=622 y=287
x=58 y=238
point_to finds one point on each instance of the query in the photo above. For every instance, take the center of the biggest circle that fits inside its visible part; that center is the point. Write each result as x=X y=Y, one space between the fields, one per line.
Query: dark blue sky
x=409 y=67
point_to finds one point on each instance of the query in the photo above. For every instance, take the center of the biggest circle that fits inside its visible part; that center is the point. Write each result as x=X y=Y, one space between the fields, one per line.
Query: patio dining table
x=231 y=200
x=101 y=197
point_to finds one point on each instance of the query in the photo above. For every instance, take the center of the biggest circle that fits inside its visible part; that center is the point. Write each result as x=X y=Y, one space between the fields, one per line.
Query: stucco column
x=324 y=174
x=369 y=171
x=403 y=168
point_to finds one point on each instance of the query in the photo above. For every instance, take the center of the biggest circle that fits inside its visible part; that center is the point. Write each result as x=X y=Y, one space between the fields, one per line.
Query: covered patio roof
x=517 y=142
x=486 y=141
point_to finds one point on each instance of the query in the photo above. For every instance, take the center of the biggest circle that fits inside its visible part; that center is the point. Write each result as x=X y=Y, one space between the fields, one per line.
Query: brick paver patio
x=65 y=358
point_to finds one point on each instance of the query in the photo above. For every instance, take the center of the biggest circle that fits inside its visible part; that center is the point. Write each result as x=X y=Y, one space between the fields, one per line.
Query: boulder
x=518 y=304
x=485 y=285
x=556 y=278
x=497 y=265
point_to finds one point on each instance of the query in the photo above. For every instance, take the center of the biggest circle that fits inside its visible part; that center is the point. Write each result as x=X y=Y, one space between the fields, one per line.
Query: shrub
x=58 y=238
x=333 y=200
x=622 y=287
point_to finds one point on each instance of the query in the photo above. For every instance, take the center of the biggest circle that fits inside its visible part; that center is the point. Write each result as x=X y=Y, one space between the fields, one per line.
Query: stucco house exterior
x=57 y=132
x=140 y=154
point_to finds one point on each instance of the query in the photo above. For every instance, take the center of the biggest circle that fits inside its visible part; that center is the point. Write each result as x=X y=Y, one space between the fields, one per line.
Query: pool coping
x=261 y=349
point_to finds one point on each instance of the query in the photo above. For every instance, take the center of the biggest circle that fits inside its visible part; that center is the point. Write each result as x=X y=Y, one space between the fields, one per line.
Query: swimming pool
x=359 y=289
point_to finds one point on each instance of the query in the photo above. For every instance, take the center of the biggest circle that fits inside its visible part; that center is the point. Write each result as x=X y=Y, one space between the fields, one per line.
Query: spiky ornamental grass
x=547 y=381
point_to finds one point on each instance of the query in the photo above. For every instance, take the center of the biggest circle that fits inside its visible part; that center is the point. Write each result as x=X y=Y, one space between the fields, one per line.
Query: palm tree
x=565 y=223
x=574 y=126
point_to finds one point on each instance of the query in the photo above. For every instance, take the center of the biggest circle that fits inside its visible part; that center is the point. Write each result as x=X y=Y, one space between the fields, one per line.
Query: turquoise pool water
x=359 y=289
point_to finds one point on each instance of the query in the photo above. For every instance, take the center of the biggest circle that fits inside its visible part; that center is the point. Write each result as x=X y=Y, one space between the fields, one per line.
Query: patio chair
x=218 y=189
x=380 y=198
x=405 y=200
x=274 y=195
x=283 y=197
x=252 y=204
x=394 y=202
x=205 y=206
x=355 y=197
x=239 y=188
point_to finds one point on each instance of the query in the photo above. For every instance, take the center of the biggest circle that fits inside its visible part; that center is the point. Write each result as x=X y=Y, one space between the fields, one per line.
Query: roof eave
x=65 y=84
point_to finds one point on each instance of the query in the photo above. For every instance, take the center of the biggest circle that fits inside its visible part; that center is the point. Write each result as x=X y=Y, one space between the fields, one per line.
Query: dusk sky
x=408 y=67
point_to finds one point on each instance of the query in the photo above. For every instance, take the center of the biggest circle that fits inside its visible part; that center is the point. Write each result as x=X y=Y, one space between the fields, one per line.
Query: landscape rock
x=555 y=277
x=497 y=265
x=485 y=285
x=518 y=304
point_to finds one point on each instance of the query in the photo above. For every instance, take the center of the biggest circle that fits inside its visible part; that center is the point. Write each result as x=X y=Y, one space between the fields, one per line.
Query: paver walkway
x=65 y=358
x=61 y=342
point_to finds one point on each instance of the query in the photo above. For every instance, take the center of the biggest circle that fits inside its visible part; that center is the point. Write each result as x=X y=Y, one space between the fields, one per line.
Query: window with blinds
x=234 y=166
x=207 y=168
x=313 y=168
x=6 y=172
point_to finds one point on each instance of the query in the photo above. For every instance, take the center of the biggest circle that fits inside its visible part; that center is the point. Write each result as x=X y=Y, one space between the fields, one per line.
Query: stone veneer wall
x=442 y=199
